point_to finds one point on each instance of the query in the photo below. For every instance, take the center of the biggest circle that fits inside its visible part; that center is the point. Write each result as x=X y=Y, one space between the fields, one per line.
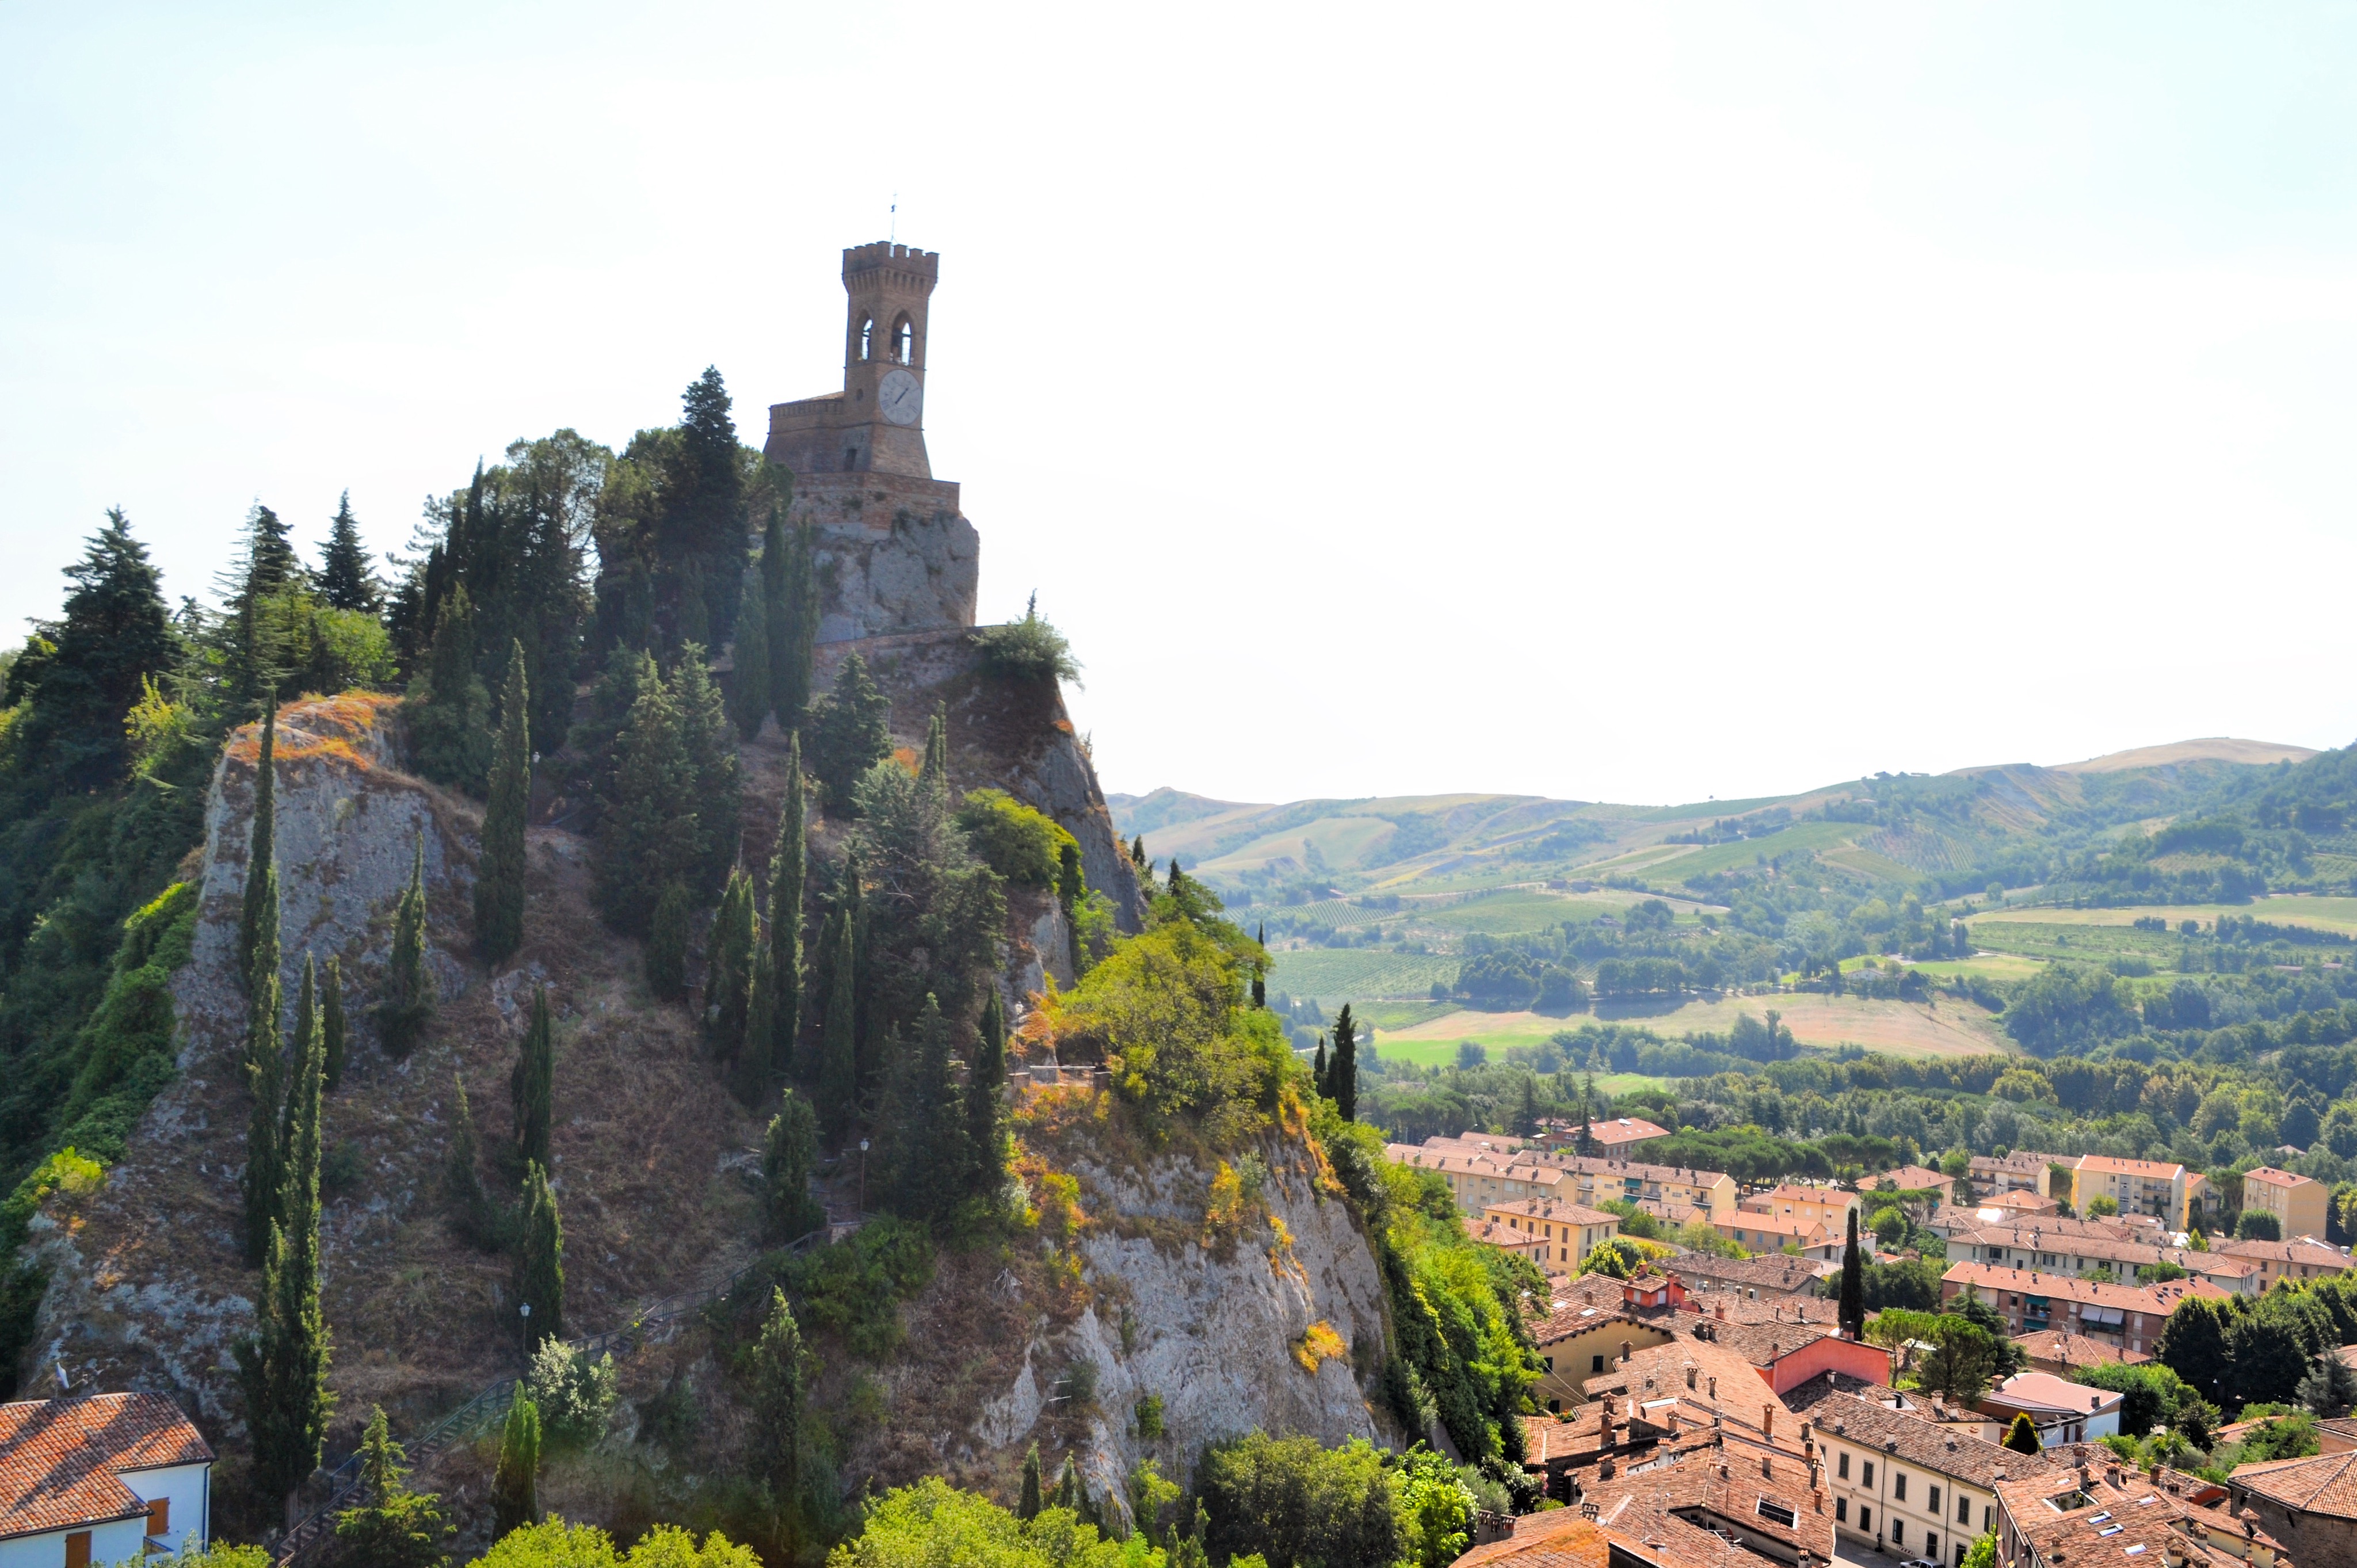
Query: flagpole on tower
x=892 y=231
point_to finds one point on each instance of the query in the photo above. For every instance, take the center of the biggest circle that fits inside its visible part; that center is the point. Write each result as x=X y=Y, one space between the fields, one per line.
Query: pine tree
x=935 y=773
x=450 y=708
x=115 y=637
x=1137 y=852
x=778 y=1399
x=515 y=1488
x=1028 y=1505
x=709 y=741
x=540 y=1264
x=334 y=1041
x=346 y=581
x=748 y=681
x=667 y=945
x=264 y=1167
x=262 y=850
x=1853 y=1286
x=1343 y=1074
x=284 y=1367
x=789 y=1155
x=728 y=973
x=788 y=870
x=924 y=1135
x=838 y=1060
x=393 y=1527
x=986 y=1100
x=848 y=734
x=266 y=570
x=408 y=988
x=499 y=881
x=531 y=1085
x=462 y=1187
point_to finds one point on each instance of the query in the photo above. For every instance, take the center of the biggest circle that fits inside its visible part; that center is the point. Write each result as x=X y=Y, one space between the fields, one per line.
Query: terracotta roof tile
x=59 y=1459
x=2321 y=1483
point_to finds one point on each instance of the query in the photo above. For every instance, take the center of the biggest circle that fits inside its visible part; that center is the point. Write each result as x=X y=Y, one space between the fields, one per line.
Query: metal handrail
x=344 y=1480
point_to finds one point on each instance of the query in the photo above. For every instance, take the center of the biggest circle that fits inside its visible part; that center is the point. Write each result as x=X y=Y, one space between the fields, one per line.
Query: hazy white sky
x=1637 y=403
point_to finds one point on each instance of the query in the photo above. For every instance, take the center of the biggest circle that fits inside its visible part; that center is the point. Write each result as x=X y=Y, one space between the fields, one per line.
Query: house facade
x=100 y=1480
x=2139 y=1186
x=2131 y=1317
x=1553 y=1234
x=2297 y=1202
x=1907 y=1485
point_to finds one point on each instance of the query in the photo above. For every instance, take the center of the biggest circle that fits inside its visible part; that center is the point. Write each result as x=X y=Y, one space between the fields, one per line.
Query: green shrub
x=1028 y=650
x=1298 y=1503
x=576 y=1395
x=854 y=1288
x=1016 y=842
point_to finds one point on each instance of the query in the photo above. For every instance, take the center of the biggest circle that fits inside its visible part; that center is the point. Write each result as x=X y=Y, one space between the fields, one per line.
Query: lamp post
x=863 y=1175
x=526 y=1310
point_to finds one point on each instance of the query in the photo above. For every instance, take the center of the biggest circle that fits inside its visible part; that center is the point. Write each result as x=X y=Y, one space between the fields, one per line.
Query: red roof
x=59 y=1459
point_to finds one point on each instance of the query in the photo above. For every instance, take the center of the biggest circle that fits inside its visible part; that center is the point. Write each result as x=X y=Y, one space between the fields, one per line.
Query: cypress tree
x=299 y=1126
x=935 y=773
x=462 y=1187
x=789 y=1154
x=1071 y=888
x=778 y=1399
x=788 y=870
x=540 y=1266
x=667 y=945
x=838 y=1061
x=1342 y=1073
x=499 y=883
x=1067 y=1485
x=924 y=1133
x=1260 y=974
x=261 y=849
x=334 y=1040
x=1138 y=852
x=646 y=836
x=531 y=1085
x=753 y=1074
x=854 y=892
x=848 y=734
x=1027 y=1506
x=985 y=1089
x=1318 y=1070
x=709 y=742
x=449 y=710
x=264 y=1167
x=408 y=989
x=515 y=1489
x=394 y=1527
x=346 y=581
x=284 y=1367
x=792 y=610
x=728 y=973
x=749 y=682
x=1853 y=1286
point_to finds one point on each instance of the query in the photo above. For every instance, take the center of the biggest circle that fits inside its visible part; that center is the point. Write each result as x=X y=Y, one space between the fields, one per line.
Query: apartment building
x=1759 y=1232
x=1828 y=1206
x=1907 y=1485
x=1564 y=1233
x=2075 y=1247
x=1479 y=1170
x=2301 y=1260
x=2139 y=1186
x=1913 y=1178
x=2031 y=1299
x=2297 y=1202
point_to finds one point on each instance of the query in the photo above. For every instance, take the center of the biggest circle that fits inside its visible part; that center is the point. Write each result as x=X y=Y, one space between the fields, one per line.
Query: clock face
x=898 y=395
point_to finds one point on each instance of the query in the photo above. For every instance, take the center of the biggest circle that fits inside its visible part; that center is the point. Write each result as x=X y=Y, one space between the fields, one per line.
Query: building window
x=159 y=1517
x=1864 y=1517
x=1963 y=1509
x=1988 y=1517
x=1933 y=1505
x=1841 y=1510
x=1844 y=1470
x=78 y=1549
x=1897 y=1533
x=1596 y=1363
x=1899 y=1485
x=1930 y=1544
x=1869 y=1472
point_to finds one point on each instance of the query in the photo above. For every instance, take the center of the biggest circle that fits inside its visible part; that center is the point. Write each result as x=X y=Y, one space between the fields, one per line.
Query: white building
x=100 y=1480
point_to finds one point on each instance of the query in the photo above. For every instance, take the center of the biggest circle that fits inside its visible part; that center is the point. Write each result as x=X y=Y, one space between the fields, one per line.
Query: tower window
x=904 y=340
x=867 y=336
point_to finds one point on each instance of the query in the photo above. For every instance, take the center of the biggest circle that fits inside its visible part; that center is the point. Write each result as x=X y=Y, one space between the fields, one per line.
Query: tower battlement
x=885 y=256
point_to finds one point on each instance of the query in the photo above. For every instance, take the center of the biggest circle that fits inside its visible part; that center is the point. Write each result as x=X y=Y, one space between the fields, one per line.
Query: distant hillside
x=2018 y=824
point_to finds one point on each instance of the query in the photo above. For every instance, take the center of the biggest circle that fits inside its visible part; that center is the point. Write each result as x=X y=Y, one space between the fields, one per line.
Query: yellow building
x=1826 y=1206
x=1568 y=1231
x=2297 y=1202
x=2139 y=1186
x=1482 y=1170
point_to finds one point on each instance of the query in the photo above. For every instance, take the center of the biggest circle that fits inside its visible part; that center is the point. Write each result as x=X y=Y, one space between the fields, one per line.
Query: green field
x=2081 y=942
x=1512 y=913
x=2317 y=913
x=1336 y=975
x=2002 y=966
x=1799 y=839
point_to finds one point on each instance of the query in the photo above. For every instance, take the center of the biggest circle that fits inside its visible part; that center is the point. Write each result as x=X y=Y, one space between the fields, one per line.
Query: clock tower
x=876 y=423
x=894 y=547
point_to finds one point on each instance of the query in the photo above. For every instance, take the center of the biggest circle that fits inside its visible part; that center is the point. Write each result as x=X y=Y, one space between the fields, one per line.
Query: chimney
x=2173 y=1553
x=1713 y=1389
x=1624 y=1352
x=1690 y=1374
x=1720 y=1311
x=1768 y=1420
x=1767 y=1467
